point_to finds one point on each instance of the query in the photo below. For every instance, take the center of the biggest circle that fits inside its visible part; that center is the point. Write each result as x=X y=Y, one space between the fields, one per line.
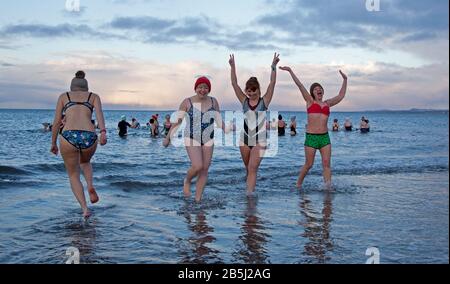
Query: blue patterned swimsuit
x=199 y=123
x=80 y=139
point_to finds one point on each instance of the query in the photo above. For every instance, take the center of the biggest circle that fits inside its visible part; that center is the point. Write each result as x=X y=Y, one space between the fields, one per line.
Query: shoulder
x=94 y=96
x=185 y=104
x=62 y=96
x=215 y=101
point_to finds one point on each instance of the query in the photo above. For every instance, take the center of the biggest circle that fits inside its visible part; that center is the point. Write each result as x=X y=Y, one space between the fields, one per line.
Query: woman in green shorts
x=317 y=137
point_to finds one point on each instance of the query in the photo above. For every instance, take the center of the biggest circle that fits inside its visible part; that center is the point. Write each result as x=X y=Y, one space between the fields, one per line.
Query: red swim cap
x=202 y=80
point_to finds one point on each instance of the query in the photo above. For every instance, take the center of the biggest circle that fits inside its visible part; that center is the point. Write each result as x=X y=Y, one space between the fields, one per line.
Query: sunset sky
x=146 y=54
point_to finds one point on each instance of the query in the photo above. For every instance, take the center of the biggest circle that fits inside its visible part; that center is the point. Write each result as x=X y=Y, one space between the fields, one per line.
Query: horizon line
x=173 y=110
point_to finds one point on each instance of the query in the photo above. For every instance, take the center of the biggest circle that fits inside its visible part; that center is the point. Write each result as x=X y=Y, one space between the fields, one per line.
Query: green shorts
x=317 y=141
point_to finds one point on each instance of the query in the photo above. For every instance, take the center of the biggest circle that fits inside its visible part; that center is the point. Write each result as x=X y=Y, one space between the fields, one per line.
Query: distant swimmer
x=293 y=126
x=47 y=127
x=335 y=127
x=281 y=126
x=364 y=126
x=317 y=136
x=348 y=124
x=123 y=126
x=135 y=123
x=167 y=125
x=232 y=126
x=153 y=125
x=78 y=137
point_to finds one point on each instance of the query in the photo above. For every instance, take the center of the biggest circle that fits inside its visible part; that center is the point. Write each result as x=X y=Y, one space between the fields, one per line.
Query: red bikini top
x=316 y=108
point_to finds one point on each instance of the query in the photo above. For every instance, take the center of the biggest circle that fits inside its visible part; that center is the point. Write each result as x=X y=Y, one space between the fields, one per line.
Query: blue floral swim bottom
x=80 y=139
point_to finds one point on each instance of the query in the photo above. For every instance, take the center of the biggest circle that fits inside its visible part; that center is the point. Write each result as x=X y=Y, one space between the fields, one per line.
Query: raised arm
x=56 y=125
x=180 y=116
x=334 y=101
x=306 y=96
x=273 y=79
x=101 y=119
x=237 y=90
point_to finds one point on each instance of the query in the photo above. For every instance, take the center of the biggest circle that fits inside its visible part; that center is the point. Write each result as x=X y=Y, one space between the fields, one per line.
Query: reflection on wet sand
x=196 y=249
x=317 y=229
x=253 y=238
x=82 y=236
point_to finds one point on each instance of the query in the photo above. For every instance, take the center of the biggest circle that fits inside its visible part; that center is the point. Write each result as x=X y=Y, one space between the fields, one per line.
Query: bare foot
x=299 y=184
x=186 y=189
x=86 y=214
x=93 y=195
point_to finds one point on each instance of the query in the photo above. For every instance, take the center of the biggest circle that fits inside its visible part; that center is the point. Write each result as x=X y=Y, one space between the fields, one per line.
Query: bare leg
x=71 y=158
x=256 y=157
x=196 y=157
x=207 y=153
x=325 y=152
x=245 y=154
x=310 y=154
x=86 y=168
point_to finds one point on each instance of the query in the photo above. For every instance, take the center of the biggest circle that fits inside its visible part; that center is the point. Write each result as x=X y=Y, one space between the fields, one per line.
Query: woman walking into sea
x=79 y=139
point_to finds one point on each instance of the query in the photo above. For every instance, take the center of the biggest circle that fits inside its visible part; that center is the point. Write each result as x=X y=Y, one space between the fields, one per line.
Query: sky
x=147 y=54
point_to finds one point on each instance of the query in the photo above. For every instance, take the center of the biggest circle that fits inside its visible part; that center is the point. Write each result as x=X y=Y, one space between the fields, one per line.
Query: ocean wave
x=14 y=183
x=11 y=171
x=359 y=171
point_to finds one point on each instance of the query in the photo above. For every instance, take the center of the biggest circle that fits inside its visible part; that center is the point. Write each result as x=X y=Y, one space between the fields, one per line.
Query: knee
x=326 y=164
x=204 y=170
x=197 y=168
x=308 y=166
x=252 y=168
x=75 y=174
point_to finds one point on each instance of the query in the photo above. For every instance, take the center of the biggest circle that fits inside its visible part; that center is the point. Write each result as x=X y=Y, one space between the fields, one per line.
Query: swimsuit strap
x=212 y=104
x=67 y=93
x=89 y=98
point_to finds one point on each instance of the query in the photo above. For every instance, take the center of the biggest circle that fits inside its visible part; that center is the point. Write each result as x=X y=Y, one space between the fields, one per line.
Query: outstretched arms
x=334 y=101
x=306 y=96
x=237 y=90
x=273 y=79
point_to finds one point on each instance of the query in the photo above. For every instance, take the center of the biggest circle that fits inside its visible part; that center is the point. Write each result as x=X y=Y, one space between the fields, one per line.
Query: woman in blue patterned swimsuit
x=202 y=111
x=79 y=139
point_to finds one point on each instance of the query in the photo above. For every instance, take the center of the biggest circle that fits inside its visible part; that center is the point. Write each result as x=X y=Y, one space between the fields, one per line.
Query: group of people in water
x=79 y=139
x=364 y=126
x=153 y=125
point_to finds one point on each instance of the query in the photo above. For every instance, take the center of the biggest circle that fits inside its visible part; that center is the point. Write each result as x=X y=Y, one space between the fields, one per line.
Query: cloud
x=348 y=23
x=54 y=31
x=400 y=25
x=138 y=84
x=199 y=29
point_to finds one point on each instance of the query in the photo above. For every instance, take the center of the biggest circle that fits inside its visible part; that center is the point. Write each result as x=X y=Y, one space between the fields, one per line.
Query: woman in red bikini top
x=317 y=137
